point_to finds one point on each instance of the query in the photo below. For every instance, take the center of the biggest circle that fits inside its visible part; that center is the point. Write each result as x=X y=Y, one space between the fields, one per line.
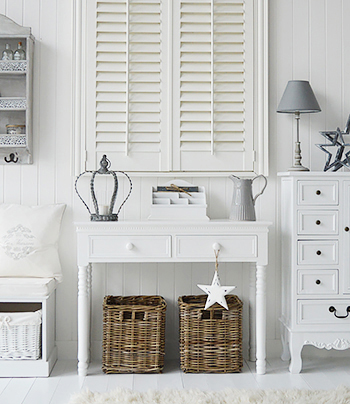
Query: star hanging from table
x=336 y=139
x=216 y=292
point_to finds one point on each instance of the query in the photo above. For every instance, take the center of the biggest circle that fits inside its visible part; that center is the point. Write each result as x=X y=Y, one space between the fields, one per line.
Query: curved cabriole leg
x=295 y=346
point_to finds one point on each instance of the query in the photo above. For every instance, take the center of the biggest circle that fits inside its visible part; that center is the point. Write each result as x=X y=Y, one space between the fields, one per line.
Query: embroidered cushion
x=29 y=240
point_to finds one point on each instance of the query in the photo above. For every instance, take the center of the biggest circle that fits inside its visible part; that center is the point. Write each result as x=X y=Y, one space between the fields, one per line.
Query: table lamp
x=298 y=98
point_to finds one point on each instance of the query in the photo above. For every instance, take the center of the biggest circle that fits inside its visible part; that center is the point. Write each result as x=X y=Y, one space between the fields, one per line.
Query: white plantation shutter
x=214 y=123
x=174 y=86
x=129 y=84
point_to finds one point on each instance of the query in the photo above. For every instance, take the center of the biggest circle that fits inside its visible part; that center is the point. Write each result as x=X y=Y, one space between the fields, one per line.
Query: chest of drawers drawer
x=324 y=311
x=317 y=222
x=317 y=193
x=318 y=252
x=318 y=282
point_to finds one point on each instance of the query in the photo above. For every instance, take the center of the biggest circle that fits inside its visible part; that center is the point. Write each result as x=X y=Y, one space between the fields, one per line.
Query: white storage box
x=172 y=205
x=20 y=335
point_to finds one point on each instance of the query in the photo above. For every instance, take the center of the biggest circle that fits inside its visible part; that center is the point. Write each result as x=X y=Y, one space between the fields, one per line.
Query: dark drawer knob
x=333 y=310
x=318 y=252
x=318 y=222
x=346 y=228
x=318 y=192
x=318 y=282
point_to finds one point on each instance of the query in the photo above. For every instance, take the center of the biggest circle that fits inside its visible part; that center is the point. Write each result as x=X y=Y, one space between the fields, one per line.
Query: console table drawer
x=130 y=246
x=244 y=246
x=318 y=311
x=318 y=252
x=318 y=282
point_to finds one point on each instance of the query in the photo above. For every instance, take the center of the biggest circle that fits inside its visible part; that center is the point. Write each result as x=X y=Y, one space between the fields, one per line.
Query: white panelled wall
x=309 y=39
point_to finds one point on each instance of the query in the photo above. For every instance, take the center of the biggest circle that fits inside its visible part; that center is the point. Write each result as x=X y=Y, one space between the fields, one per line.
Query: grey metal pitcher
x=243 y=202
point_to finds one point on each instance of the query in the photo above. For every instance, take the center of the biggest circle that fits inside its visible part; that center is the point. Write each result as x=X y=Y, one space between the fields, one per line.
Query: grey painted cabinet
x=16 y=100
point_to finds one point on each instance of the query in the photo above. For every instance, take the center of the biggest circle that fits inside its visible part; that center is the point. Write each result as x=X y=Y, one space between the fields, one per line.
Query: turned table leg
x=83 y=319
x=260 y=319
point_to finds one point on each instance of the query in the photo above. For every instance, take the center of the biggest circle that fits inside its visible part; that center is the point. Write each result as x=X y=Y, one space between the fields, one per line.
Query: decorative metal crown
x=103 y=170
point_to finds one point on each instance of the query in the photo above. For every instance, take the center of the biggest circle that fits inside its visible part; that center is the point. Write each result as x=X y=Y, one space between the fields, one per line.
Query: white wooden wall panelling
x=115 y=279
x=345 y=59
x=282 y=68
x=29 y=174
x=149 y=279
x=334 y=64
x=64 y=190
x=301 y=47
x=166 y=278
x=318 y=58
x=48 y=103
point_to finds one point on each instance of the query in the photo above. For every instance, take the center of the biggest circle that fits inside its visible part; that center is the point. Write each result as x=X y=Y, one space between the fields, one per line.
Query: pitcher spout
x=234 y=178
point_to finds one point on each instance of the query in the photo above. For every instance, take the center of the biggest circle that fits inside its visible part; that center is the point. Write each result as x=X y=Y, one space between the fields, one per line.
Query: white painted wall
x=309 y=39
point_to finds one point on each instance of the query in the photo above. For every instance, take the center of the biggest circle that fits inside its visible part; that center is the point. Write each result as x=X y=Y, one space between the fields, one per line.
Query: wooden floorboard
x=317 y=374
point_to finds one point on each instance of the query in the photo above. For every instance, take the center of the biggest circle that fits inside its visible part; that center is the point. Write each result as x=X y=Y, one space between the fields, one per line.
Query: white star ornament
x=216 y=293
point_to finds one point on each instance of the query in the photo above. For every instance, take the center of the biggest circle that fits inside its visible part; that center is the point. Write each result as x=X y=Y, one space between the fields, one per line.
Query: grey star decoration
x=336 y=139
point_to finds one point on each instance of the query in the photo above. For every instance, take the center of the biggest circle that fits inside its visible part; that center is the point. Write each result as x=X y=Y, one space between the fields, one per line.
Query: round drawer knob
x=318 y=222
x=216 y=246
x=129 y=246
x=318 y=192
x=318 y=282
x=318 y=252
x=346 y=228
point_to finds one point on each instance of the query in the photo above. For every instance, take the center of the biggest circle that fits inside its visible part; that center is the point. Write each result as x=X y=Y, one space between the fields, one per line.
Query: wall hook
x=12 y=158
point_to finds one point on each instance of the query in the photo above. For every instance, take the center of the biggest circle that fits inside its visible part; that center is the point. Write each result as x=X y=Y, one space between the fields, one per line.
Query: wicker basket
x=20 y=335
x=210 y=340
x=133 y=334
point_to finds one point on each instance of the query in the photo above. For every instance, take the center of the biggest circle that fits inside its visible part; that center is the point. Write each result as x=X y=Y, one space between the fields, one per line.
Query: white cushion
x=26 y=287
x=28 y=240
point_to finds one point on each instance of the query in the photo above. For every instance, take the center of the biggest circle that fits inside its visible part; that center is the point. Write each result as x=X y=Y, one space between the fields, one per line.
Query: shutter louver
x=128 y=83
x=212 y=110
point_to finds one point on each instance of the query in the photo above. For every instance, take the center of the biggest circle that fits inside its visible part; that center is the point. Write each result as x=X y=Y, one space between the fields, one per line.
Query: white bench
x=26 y=295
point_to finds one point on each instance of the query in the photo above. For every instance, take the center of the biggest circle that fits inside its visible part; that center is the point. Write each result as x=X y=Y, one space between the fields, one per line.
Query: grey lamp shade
x=298 y=97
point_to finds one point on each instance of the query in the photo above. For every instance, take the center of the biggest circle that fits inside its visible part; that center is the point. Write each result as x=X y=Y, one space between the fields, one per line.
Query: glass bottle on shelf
x=19 y=53
x=7 y=54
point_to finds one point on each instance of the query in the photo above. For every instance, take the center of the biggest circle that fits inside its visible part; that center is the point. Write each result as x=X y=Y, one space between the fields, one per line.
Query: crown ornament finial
x=104 y=169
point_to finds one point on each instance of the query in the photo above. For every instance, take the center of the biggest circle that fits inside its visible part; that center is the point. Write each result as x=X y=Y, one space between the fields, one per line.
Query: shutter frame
x=82 y=111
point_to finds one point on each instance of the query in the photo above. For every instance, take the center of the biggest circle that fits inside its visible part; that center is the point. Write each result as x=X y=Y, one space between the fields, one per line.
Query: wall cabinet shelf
x=16 y=82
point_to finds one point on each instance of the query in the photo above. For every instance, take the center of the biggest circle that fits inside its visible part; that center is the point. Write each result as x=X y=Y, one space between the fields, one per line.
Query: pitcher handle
x=256 y=196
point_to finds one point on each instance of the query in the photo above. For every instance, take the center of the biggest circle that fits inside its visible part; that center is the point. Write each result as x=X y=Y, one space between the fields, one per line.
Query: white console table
x=158 y=241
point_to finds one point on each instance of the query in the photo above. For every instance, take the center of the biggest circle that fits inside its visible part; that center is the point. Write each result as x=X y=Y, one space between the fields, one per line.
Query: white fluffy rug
x=341 y=395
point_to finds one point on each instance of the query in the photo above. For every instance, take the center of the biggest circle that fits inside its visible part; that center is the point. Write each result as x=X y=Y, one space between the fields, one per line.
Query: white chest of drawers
x=315 y=257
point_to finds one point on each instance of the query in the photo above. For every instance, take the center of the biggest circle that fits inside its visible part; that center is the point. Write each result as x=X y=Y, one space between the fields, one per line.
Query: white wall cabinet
x=16 y=94
x=315 y=250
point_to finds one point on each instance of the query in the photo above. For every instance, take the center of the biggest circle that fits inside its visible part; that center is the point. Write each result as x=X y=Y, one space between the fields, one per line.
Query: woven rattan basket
x=133 y=334
x=210 y=340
